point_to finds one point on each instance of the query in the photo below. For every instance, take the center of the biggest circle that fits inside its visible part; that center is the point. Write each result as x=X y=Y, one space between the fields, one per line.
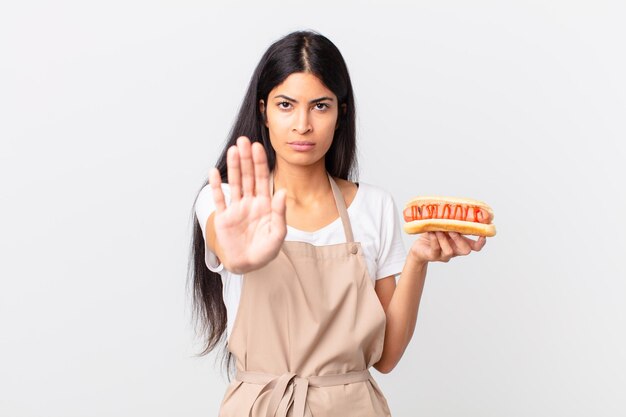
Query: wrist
x=416 y=261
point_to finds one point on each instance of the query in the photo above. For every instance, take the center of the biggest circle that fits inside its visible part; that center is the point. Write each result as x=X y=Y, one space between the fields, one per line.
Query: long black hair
x=300 y=51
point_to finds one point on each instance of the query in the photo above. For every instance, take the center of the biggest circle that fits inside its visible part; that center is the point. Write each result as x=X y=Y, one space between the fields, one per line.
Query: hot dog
x=448 y=214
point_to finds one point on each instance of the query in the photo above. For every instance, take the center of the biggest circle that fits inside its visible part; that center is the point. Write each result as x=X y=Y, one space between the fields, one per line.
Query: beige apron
x=308 y=327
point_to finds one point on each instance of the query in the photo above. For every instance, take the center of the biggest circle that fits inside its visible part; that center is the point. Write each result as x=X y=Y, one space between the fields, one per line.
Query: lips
x=301 y=146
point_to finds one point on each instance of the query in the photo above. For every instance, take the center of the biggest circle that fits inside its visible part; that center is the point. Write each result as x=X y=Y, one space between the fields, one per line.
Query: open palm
x=251 y=230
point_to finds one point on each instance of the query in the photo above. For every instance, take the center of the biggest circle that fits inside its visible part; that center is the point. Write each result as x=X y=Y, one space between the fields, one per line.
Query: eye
x=284 y=102
x=324 y=106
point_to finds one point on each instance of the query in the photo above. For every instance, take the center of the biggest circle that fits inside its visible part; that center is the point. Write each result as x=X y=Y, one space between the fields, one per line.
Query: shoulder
x=370 y=201
x=350 y=188
x=376 y=195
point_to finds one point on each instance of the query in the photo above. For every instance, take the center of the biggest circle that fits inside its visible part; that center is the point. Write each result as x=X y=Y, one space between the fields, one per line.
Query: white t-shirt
x=375 y=224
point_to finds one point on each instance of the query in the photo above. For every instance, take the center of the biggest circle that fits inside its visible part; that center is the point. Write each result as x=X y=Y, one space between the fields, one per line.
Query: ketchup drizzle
x=448 y=211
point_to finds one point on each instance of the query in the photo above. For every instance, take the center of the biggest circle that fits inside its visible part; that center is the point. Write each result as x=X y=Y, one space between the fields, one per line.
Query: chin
x=301 y=160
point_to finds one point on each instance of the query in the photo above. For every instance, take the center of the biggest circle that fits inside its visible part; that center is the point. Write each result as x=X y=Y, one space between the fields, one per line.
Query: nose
x=302 y=123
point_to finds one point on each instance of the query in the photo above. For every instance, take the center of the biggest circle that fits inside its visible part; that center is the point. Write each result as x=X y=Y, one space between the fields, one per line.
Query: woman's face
x=301 y=118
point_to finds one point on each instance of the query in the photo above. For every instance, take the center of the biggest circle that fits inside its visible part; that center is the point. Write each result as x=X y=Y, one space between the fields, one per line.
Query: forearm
x=402 y=312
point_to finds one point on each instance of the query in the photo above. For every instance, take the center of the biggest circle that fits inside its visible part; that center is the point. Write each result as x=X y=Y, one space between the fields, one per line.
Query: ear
x=262 y=110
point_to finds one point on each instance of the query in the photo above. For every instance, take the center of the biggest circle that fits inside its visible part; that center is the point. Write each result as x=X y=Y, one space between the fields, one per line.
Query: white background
x=112 y=113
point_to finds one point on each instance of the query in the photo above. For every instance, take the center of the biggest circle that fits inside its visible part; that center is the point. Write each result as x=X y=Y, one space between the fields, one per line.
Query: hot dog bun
x=448 y=225
x=440 y=213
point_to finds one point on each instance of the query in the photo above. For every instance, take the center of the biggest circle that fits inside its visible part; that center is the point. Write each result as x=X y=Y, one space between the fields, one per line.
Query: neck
x=304 y=184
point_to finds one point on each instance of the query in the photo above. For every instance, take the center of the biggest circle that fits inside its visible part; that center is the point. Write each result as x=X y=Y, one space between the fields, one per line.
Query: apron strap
x=339 y=201
x=343 y=211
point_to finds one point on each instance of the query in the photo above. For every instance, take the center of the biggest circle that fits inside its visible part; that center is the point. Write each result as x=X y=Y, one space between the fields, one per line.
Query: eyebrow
x=312 y=101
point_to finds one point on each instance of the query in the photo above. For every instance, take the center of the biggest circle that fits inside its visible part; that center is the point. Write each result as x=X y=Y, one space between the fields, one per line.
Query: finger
x=261 y=170
x=477 y=244
x=473 y=244
x=278 y=221
x=215 y=180
x=247 y=168
x=434 y=245
x=480 y=243
x=234 y=174
x=446 y=249
x=462 y=247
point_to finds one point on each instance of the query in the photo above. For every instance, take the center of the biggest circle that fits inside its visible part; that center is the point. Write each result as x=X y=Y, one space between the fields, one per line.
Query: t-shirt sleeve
x=205 y=205
x=391 y=252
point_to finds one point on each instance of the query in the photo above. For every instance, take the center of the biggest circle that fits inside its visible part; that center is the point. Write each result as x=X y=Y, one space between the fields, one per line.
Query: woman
x=303 y=279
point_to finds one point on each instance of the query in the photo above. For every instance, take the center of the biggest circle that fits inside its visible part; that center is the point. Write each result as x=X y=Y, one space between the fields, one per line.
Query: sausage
x=446 y=211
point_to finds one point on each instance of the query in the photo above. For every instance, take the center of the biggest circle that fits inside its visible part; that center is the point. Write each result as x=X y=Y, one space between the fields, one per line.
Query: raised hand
x=251 y=230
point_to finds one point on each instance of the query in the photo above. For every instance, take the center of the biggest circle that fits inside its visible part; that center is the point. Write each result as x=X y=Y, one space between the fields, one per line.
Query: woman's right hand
x=250 y=231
